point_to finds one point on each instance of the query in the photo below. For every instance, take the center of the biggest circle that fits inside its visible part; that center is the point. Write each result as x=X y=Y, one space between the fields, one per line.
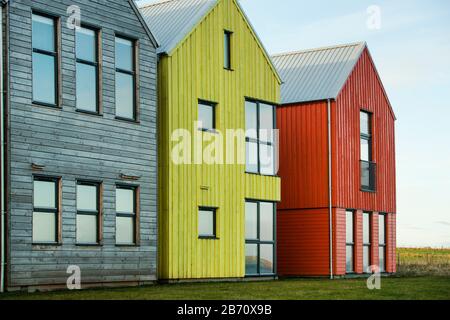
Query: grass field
x=424 y=274
x=423 y=261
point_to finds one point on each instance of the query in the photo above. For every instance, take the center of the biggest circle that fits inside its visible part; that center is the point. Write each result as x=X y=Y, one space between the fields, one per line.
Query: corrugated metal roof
x=172 y=20
x=316 y=74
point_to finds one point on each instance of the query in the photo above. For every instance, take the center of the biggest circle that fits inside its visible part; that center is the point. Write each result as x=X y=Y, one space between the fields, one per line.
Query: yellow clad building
x=216 y=216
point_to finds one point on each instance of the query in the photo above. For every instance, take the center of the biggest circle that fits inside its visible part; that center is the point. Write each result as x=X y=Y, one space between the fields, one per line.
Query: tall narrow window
x=45 y=210
x=382 y=241
x=126 y=215
x=207 y=223
x=350 y=242
x=260 y=139
x=227 y=49
x=368 y=168
x=125 y=79
x=88 y=212
x=206 y=115
x=87 y=69
x=366 y=242
x=260 y=238
x=45 y=62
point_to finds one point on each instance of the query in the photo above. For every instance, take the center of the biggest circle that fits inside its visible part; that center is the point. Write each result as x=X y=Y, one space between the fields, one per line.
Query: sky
x=411 y=49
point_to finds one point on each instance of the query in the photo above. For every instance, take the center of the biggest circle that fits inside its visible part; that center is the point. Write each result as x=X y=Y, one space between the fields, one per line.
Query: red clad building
x=337 y=164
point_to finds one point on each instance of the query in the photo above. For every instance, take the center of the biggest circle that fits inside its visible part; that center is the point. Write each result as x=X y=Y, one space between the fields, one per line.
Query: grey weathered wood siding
x=75 y=145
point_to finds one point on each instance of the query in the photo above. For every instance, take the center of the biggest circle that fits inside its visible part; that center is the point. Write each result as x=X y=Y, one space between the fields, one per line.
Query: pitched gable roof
x=316 y=74
x=173 y=20
x=144 y=25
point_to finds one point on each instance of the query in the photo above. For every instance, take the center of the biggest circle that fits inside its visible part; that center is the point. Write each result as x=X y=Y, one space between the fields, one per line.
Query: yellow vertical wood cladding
x=194 y=70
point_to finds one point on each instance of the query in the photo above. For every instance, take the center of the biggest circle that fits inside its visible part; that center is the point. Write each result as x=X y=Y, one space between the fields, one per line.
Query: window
x=126 y=215
x=207 y=223
x=45 y=60
x=382 y=241
x=368 y=168
x=88 y=213
x=227 y=50
x=366 y=242
x=45 y=210
x=350 y=242
x=260 y=238
x=260 y=144
x=87 y=70
x=206 y=115
x=125 y=79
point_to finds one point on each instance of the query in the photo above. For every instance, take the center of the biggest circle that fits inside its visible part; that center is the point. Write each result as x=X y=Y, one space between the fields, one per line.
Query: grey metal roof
x=172 y=20
x=142 y=21
x=316 y=74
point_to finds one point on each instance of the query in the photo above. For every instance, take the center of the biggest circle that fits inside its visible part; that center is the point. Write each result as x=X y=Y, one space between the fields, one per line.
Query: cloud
x=445 y=223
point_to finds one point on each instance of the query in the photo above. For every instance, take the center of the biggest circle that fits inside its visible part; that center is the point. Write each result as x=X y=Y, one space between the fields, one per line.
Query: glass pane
x=86 y=198
x=86 y=44
x=381 y=229
x=266 y=124
x=365 y=174
x=124 y=95
x=44 y=80
x=44 y=227
x=266 y=258
x=86 y=229
x=206 y=223
x=206 y=116
x=251 y=120
x=125 y=200
x=125 y=230
x=266 y=212
x=366 y=259
x=349 y=227
x=86 y=87
x=349 y=259
x=366 y=228
x=267 y=159
x=251 y=220
x=43 y=33
x=251 y=259
x=44 y=194
x=382 y=255
x=251 y=157
x=227 y=58
x=124 y=54
x=365 y=150
x=365 y=123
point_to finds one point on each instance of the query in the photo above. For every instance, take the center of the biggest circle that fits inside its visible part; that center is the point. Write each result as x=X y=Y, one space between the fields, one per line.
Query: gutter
x=330 y=205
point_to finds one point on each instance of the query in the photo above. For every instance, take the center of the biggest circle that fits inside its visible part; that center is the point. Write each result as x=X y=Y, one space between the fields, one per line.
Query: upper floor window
x=368 y=168
x=125 y=79
x=260 y=140
x=206 y=115
x=87 y=69
x=88 y=212
x=45 y=210
x=366 y=241
x=126 y=215
x=45 y=60
x=227 y=50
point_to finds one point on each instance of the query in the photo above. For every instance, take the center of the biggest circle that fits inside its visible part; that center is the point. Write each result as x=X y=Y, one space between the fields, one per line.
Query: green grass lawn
x=394 y=288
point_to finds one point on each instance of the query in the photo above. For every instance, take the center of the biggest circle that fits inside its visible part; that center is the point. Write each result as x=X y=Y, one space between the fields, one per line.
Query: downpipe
x=2 y=168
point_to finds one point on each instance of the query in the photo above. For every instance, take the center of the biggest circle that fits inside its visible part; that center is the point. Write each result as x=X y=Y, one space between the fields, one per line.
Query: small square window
x=207 y=223
x=206 y=116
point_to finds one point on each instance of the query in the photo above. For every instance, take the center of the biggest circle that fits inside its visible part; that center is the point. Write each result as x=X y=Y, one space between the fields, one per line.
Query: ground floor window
x=260 y=238
x=46 y=199
x=366 y=242
x=382 y=241
x=350 y=242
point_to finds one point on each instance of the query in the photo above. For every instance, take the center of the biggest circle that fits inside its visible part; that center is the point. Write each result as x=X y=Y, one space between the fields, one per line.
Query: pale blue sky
x=412 y=54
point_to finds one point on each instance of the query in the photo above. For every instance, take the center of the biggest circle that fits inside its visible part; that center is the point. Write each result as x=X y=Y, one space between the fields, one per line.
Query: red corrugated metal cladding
x=303 y=218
